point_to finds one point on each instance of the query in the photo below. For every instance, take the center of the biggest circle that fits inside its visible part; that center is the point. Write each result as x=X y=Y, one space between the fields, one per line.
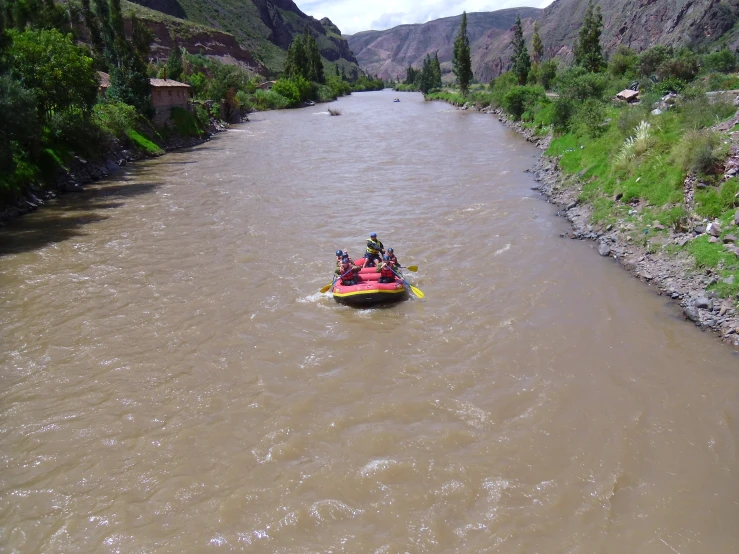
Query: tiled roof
x=166 y=83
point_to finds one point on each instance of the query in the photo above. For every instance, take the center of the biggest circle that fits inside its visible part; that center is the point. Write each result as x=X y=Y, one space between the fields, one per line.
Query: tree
x=461 y=61
x=436 y=66
x=520 y=61
x=52 y=68
x=588 y=52
x=537 y=46
x=313 y=58
x=174 y=62
x=141 y=36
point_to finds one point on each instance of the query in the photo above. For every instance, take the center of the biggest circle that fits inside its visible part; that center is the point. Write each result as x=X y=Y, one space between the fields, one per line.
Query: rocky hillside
x=634 y=23
x=388 y=53
x=263 y=27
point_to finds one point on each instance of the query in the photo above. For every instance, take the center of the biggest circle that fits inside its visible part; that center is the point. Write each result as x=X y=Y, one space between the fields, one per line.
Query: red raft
x=368 y=291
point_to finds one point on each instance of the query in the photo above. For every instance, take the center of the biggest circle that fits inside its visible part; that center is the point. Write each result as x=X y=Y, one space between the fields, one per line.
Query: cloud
x=352 y=16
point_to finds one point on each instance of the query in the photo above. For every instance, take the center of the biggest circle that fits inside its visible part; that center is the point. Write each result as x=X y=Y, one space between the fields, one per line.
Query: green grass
x=185 y=122
x=144 y=144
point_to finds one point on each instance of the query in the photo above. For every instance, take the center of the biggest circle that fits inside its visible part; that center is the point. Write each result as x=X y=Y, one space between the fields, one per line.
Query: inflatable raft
x=369 y=291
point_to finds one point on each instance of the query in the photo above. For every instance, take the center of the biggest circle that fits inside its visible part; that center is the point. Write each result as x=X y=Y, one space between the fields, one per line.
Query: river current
x=171 y=379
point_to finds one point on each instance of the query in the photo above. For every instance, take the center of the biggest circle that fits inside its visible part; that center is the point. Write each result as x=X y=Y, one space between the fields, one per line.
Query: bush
x=651 y=59
x=287 y=89
x=684 y=68
x=270 y=100
x=698 y=152
x=116 y=117
x=579 y=84
x=623 y=61
x=186 y=122
x=670 y=84
x=562 y=111
x=589 y=118
x=723 y=61
x=628 y=118
x=520 y=99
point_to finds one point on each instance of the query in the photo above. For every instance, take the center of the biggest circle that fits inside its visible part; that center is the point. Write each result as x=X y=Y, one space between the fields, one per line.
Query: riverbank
x=657 y=259
x=80 y=171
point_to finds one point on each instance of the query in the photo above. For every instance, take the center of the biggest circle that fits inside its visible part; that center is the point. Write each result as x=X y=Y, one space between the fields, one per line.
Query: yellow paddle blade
x=325 y=289
x=412 y=268
x=417 y=292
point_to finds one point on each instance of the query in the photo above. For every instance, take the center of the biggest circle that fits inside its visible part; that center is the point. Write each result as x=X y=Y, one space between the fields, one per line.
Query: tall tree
x=588 y=52
x=141 y=37
x=436 y=66
x=174 y=62
x=462 y=62
x=520 y=61
x=537 y=46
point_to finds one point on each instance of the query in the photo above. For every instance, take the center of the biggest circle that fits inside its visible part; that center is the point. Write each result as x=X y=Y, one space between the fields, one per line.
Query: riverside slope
x=673 y=276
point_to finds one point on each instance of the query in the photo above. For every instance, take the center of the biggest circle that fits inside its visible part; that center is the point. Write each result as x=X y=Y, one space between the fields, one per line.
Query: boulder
x=604 y=249
x=703 y=303
x=656 y=111
x=729 y=280
x=729 y=239
x=692 y=314
x=714 y=229
x=700 y=229
x=713 y=240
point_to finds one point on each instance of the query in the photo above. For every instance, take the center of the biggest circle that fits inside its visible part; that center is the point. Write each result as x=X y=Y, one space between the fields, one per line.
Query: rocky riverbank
x=81 y=172
x=672 y=275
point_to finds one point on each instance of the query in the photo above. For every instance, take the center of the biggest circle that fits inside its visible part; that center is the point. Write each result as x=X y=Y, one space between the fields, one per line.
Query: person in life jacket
x=393 y=259
x=348 y=271
x=339 y=256
x=375 y=249
x=386 y=271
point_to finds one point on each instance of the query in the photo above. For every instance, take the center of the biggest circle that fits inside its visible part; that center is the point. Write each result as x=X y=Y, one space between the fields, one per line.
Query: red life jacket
x=387 y=272
x=347 y=272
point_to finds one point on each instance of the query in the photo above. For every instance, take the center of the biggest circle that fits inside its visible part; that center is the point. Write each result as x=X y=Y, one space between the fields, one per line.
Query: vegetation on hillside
x=633 y=160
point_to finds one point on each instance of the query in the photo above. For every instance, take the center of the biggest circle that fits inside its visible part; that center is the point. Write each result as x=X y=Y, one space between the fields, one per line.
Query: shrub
x=186 y=122
x=698 y=152
x=519 y=99
x=684 y=68
x=723 y=61
x=628 y=118
x=669 y=84
x=562 y=111
x=651 y=59
x=623 y=61
x=589 y=118
x=546 y=73
x=116 y=117
x=287 y=89
x=270 y=100
x=578 y=84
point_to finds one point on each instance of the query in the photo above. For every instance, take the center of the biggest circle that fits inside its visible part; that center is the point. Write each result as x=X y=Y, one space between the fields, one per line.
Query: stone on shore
x=703 y=303
x=700 y=229
x=714 y=229
x=692 y=314
x=604 y=249
x=729 y=239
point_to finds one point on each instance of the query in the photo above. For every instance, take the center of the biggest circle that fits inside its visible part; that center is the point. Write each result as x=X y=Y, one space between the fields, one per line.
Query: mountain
x=638 y=24
x=388 y=53
x=265 y=28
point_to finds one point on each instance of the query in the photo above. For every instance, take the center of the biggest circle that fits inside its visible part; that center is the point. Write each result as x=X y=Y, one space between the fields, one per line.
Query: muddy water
x=172 y=380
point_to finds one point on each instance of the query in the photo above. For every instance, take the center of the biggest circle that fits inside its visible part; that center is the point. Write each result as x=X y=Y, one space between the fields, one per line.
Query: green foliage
x=519 y=99
x=623 y=61
x=698 y=152
x=684 y=67
x=520 y=60
x=708 y=254
x=588 y=53
x=537 y=46
x=174 y=63
x=589 y=117
x=562 y=111
x=723 y=61
x=144 y=144
x=579 y=84
x=187 y=123
x=116 y=118
x=141 y=37
x=19 y=127
x=288 y=89
x=545 y=73
x=304 y=59
x=54 y=70
x=698 y=112
x=651 y=59
x=713 y=203
x=269 y=100
x=461 y=60
x=720 y=81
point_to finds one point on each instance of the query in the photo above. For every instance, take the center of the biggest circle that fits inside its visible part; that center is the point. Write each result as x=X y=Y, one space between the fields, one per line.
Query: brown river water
x=173 y=381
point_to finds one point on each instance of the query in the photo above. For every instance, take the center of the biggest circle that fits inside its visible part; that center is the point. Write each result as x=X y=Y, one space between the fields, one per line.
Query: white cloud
x=352 y=16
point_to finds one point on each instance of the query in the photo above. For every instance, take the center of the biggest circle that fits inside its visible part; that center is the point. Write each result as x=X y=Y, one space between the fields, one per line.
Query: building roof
x=166 y=83
x=627 y=94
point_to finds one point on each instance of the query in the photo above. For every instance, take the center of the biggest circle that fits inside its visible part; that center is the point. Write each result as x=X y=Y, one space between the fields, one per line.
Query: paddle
x=411 y=268
x=325 y=289
x=414 y=290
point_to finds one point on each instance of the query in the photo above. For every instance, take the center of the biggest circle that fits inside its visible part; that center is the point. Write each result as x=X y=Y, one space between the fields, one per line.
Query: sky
x=352 y=16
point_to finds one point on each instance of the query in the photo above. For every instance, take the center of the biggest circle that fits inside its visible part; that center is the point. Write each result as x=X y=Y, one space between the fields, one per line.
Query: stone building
x=165 y=95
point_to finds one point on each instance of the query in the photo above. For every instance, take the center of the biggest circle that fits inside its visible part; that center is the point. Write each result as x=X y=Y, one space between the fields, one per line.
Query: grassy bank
x=648 y=170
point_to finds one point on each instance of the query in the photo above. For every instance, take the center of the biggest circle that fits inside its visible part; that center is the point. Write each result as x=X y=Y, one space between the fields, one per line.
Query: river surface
x=171 y=380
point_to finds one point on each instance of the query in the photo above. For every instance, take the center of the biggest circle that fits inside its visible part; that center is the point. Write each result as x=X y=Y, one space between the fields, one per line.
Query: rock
x=729 y=280
x=682 y=241
x=604 y=249
x=729 y=239
x=658 y=226
x=713 y=240
x=736 y=218
x=711 y=323
x=703 y=303
x=714 y=229
x=692 y=314
x=656 y=111
x=699 y=229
